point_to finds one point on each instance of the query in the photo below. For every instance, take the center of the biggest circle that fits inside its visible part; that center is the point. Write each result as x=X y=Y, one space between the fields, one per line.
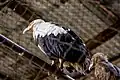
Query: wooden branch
x=24 y=52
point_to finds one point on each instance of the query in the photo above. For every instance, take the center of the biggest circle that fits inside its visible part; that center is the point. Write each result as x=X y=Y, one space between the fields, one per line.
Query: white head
x=31 y=25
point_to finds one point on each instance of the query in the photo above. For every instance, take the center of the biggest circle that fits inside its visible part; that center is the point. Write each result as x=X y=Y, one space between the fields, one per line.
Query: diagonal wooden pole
x=24 y=52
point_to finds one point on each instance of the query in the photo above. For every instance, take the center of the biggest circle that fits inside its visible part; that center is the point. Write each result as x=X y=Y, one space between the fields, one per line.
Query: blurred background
x=97 y=22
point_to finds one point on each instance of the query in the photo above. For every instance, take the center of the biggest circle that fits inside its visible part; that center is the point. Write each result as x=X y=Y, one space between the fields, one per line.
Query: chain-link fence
x=97 y=24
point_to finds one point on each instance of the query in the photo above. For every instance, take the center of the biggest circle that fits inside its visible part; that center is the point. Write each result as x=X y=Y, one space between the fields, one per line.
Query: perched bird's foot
x=60 y=63
x=52 y=63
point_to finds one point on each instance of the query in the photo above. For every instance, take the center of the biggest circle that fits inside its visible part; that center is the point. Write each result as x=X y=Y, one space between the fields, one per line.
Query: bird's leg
x=53 y=62
x=61 y=63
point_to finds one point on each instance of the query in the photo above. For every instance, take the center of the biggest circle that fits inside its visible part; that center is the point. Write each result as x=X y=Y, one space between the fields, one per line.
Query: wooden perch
x=24 y=52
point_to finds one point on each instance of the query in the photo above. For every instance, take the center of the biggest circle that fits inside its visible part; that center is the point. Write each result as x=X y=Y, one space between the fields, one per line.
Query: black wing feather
x=66 y=46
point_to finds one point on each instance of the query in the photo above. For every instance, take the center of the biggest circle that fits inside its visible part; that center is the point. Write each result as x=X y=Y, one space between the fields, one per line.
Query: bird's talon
x=52 y=63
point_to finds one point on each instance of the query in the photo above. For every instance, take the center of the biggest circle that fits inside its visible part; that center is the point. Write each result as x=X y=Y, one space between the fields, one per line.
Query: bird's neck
x=42 y=29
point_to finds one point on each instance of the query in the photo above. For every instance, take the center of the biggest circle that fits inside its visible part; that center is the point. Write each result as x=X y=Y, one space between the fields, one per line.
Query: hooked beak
x=90 y=66
x=30 y=26
x=25 y=30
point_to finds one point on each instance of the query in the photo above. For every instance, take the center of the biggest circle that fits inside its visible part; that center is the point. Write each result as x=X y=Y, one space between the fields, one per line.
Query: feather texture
x=104 y=70
x=59 y=42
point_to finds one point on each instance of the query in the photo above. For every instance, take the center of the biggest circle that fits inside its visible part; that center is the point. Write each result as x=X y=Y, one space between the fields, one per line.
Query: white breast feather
x=47 y=28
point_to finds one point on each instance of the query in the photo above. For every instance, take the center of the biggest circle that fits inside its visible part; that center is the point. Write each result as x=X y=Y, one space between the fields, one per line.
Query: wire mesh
x=81 y=16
